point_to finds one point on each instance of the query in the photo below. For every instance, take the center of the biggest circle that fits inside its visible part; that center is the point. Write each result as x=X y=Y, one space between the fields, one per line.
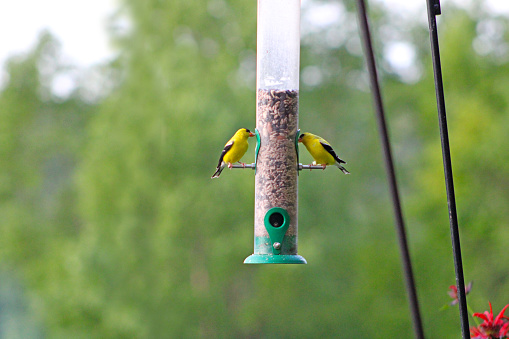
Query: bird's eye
x=301 y=136
x=248 y=131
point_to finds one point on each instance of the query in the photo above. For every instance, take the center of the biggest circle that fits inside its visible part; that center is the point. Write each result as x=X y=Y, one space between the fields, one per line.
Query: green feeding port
x=258 y=143
x=273 y=249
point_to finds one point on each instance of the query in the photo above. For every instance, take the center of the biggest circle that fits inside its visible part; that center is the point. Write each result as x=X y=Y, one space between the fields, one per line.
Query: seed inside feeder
x=276 y=168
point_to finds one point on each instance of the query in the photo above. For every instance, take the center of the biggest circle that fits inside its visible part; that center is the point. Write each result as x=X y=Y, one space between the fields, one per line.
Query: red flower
x=453 y=292
x=491 y=328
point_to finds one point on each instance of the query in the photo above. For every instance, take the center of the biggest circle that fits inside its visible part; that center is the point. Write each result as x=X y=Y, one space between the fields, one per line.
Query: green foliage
x=111 y=220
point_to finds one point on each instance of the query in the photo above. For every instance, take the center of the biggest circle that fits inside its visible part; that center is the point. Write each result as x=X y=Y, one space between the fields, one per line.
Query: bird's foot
x=324 y=165
x=230 y=165
x=243 y=164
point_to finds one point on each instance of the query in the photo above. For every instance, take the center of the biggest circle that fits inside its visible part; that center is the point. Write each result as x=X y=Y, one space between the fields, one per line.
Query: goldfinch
x=233 y=151
x=321 y=151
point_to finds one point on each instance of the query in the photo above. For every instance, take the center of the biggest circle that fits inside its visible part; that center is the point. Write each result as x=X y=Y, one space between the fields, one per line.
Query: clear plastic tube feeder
x=277 y=117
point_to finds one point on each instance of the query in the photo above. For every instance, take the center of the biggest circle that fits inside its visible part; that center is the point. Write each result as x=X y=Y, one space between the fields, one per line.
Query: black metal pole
x=433 y=11
x=391 y=176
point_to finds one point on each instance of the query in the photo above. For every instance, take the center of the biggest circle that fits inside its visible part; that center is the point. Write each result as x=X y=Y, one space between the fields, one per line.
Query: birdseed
x=276 y=167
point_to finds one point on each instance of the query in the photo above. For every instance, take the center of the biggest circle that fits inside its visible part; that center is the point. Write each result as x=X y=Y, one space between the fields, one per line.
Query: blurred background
x=112 y=119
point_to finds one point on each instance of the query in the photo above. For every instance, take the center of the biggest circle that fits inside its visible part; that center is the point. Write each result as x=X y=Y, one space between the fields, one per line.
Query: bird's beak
x=251 y=134
x=299 y=140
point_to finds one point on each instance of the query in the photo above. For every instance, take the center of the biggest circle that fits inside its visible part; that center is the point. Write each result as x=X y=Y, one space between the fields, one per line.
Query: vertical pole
x=391 y=176
x=277 y=117
x=433 y=11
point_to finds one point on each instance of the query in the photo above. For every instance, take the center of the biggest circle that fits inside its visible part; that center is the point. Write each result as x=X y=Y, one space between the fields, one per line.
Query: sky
x=81 y=25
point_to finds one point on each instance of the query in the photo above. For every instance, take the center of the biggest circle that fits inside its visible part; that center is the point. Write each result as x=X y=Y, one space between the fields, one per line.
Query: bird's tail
x=344 y=170
x=218 y=171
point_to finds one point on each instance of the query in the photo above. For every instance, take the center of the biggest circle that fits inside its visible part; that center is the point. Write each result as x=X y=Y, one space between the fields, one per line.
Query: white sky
x=80 y=25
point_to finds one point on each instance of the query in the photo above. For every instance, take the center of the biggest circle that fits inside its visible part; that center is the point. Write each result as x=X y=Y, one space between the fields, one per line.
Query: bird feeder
x=277 y=118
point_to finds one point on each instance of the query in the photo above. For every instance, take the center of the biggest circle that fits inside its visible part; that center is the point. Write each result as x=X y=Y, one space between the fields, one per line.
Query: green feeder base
x=274 y=259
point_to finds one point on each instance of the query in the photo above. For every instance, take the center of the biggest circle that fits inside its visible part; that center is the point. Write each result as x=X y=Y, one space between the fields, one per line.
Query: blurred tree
x=41 y=135
x=162 y=254
x=16 y=317
x=111 y=215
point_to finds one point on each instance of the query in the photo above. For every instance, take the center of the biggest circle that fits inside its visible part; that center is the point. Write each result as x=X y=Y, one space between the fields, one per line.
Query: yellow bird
x=321 y=151
x=233 y=151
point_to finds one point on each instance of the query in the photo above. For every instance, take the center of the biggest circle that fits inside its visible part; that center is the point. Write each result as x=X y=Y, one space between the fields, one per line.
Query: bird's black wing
x=227 y=147
x=329 y=149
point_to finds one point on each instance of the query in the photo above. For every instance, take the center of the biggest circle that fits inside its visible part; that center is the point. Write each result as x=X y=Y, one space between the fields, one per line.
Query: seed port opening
x=276 y=219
